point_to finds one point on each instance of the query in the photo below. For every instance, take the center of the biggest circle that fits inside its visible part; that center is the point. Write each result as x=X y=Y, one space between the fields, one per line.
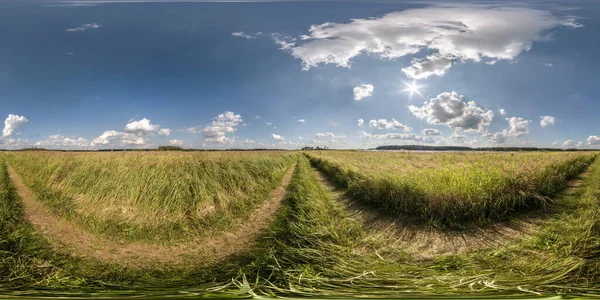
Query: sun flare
x=412 y=88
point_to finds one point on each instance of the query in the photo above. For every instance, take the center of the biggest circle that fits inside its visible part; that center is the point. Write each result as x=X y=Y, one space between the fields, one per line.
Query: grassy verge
x=446 y=190
x=151 y=196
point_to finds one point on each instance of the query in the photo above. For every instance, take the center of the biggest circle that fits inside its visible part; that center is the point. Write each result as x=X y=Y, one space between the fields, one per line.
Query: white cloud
x=361 y=122
x=12 y=123
x=498 y=137
x=221 y=125
x=432 y=65
x=363 y=91
x=502 y=112
x=396 y=136
x=257 y=117
x=85 y=27
x=547 y=120
x=193 y=130
x=458 y=137
x=142 y=126
x=302 y=121
x=449 y=109
x=451 y=33
x=518 y=126
x=63 y=142
x=175 y=142
x=243 y=35
x=384 y=124
x=164 y=132
x=547 y=64
x=593 y=140
x=112 y=137
x=300 y=138
x=569 y=143
x=431 y=132
x=10 y=143
x=269 y=123
x=277 y=137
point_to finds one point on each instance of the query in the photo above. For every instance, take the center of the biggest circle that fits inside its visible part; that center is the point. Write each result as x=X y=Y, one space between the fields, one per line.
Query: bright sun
x=412 y=88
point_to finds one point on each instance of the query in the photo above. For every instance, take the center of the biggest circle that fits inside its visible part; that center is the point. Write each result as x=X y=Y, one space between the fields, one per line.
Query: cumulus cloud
x=243 y=35
x=432 y=65
x=221 y=125
x=164 y=131
x=384 y=124
x=302 y=121
x=502 y=112
x=446 y=34
x=277 y=137
x=142 y=126
x=361 y=122
x=547 y=120
x=112 y=137
x=85 y=27
x=175 y=142
x=547 y=64
x=12 y=123
x=63 y=142
x=518 y=126
x=396 y=136
x=363 y=91
x=457 y=137
x=569 y=143
x=498 y=137
x=431 y=132
x=593 y=140
x=449 y=109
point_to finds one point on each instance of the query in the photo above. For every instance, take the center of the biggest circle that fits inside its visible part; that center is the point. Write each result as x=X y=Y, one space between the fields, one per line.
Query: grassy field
x=318 y=245
x=151 y=196
x=449 y=188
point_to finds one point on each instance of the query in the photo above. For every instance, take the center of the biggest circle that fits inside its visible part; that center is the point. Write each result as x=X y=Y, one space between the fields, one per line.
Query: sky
x=289 y=74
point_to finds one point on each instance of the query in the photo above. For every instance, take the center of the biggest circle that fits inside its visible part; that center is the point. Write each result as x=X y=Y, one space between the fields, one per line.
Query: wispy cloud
x=85 y=27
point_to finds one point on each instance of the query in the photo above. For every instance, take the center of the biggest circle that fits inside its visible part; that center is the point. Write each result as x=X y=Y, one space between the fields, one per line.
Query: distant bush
x=170 y=148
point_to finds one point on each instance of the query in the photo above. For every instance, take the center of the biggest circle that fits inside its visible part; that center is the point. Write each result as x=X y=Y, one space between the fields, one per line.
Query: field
x=156 y=196
x=448 y=188
x=335 y=223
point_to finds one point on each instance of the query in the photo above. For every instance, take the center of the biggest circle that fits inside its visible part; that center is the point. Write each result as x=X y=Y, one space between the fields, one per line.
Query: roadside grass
x=447 y=189
x=156 y=197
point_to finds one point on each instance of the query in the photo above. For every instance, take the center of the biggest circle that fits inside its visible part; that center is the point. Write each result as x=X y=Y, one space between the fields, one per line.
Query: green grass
x=447 y=189
x=317 y=247
x=151 y=196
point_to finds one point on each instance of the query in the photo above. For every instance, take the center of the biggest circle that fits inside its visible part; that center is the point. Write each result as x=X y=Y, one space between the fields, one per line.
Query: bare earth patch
x=426 y=243
x=65 y=235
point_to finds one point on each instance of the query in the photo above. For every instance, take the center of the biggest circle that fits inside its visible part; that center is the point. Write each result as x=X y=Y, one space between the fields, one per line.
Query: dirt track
x=65 y=235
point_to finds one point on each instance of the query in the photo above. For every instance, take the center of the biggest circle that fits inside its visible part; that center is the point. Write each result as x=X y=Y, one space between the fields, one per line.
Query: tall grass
x=449 y=188
x=158 y=196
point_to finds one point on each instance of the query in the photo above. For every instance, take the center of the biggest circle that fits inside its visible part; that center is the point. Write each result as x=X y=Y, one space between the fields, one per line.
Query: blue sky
x=106 y=74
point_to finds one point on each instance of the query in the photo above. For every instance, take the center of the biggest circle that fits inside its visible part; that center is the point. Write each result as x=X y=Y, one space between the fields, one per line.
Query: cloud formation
x=518 y=126
x=221 y=125
x=12 y=123
x=464 y=33
x=63 y=142
x=243 y=35
x=84 y=27
x=384 y=124
x=277 y=137
x=142 y=126
x=449 y=109
x=547 y=120
x=363 y=91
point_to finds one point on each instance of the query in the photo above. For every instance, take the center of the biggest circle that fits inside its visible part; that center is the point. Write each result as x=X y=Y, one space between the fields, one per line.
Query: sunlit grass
x=447 y=188
x=156 y=196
